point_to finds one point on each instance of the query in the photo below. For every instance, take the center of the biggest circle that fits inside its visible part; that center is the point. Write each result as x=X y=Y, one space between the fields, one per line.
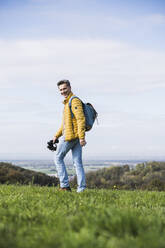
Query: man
x=72 y=131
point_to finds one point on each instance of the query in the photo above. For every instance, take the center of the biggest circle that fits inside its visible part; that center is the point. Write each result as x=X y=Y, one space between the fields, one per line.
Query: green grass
x=33 y=216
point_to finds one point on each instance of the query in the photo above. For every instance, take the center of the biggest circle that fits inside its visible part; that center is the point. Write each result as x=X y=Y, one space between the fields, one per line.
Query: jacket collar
x=67 y=99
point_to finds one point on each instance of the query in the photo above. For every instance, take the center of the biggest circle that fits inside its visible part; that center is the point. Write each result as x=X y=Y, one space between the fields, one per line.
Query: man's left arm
x=78 y=112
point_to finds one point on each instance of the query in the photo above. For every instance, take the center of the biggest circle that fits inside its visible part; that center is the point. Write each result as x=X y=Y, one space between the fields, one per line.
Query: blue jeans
x=63 y=148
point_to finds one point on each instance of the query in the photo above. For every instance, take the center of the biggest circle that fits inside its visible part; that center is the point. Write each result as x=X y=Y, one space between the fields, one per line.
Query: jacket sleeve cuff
x=58 y=134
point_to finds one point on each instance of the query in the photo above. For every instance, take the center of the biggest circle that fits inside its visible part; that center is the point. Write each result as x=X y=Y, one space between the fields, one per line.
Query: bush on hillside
x=145 y=176
x=12 y=174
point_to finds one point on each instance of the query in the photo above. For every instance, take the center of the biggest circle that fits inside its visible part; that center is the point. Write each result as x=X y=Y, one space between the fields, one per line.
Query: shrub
x=12 y=174
x=150 y=175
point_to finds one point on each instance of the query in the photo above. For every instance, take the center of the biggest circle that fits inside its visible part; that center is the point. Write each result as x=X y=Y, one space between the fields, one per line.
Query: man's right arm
x=58 y=134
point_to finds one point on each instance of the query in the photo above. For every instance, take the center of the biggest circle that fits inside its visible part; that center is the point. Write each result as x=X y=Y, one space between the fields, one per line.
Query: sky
x=113 y=53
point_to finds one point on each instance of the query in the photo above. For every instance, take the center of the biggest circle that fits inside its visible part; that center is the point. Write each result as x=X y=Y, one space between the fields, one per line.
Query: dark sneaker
x=65 y=189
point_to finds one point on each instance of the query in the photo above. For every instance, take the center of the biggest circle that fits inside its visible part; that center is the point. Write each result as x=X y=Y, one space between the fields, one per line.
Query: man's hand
x=83 y=142
x=54 y=139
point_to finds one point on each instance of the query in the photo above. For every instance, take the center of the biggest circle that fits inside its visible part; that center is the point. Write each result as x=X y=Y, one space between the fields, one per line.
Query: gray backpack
x=89 y=112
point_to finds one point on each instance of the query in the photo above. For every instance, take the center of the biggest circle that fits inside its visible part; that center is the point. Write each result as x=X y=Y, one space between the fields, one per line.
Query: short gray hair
x=64 y=81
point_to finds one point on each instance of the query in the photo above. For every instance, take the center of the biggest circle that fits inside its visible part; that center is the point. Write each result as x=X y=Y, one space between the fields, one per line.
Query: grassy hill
x=34 y=216
x=12 y=174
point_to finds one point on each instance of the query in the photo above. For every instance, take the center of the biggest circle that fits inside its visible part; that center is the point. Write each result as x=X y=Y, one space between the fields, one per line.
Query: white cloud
x=104 y=65
x=155 y=19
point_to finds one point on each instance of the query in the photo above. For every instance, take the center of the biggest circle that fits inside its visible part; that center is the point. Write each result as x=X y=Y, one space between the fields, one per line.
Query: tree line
x=144 y=176
x=12 y=174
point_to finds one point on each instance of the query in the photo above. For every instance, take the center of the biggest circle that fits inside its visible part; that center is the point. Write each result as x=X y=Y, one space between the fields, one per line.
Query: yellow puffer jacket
x=72 y=128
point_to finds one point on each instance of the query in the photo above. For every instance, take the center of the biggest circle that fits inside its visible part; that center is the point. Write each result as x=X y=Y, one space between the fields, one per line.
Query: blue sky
x=113 y=52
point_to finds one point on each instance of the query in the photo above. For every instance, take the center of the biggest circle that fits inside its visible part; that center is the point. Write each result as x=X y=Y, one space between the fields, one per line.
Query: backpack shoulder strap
x=70 y=103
